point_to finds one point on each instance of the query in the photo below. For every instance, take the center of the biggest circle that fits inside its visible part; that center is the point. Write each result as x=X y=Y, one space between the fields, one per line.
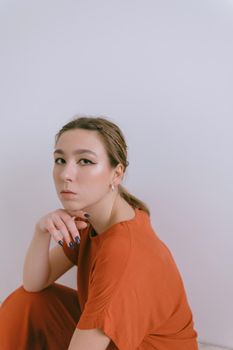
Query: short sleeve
x=111 y=305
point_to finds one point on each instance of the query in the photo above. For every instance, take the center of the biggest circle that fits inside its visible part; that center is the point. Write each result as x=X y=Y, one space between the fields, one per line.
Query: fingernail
x=71 y=245
x=61 y=243
x=87 y=215
x=77 y=239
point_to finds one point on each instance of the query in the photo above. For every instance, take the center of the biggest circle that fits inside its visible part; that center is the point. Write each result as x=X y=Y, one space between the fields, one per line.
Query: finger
x=81 y=224
x=80 y=218
x=61 y=226
x=58 y=237
x=56 y=234
x=77 y=214
x=72 y=227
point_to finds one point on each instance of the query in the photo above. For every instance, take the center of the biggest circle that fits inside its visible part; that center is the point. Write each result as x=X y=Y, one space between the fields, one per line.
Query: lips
x=68 y=192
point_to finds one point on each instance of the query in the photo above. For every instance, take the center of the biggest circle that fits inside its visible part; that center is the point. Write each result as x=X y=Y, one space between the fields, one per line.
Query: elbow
x=34 y=285
x=29 y=287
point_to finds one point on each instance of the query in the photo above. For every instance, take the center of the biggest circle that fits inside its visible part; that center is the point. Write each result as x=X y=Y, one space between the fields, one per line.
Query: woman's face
x=81 y=166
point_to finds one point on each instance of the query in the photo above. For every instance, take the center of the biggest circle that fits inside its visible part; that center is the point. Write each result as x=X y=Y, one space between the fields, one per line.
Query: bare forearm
x=86 y=339
x=36 y=264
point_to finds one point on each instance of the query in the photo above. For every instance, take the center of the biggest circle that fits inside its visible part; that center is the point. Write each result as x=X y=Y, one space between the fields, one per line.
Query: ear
x=118 y=174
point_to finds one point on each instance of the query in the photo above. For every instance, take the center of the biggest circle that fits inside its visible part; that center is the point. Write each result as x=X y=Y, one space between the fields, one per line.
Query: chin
x=69 y=205
x=72 y=208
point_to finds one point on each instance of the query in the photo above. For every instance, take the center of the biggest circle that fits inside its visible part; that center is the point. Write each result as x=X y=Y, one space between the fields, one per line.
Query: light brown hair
x=115 y=146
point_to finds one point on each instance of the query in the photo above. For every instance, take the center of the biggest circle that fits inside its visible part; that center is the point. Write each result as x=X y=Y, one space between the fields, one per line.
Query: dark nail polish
x=77 y=239
x=61 y=243
x=71 y=245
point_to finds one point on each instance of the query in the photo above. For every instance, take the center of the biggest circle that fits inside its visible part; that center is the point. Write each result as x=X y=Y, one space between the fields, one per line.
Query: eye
x=56 y=160
x=83 y=160
x=86 y=160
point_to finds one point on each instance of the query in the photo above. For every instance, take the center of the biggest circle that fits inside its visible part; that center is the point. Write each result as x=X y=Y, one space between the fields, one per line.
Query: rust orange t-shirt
x=130 y=287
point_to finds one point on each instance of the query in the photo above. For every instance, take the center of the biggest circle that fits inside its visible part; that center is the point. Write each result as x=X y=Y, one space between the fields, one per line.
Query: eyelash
x=90 y=162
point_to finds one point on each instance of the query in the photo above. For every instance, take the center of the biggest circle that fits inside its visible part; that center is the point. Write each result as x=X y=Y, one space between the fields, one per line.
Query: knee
x=22 y=298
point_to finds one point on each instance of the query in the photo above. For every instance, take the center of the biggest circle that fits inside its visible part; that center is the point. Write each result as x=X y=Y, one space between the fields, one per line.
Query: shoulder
x=117 y=242
x=113 y=255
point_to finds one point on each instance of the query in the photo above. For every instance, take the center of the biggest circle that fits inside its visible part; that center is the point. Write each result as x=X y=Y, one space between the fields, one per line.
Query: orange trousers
x=44 y=320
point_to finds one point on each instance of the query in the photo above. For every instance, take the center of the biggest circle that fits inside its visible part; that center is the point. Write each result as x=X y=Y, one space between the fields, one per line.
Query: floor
x=210 y=347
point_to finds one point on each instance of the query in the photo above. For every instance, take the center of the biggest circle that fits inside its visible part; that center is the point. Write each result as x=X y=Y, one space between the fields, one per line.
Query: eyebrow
x=77 y=151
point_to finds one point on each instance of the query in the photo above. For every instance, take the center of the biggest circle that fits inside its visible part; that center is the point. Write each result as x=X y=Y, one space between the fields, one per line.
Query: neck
x=107 y=212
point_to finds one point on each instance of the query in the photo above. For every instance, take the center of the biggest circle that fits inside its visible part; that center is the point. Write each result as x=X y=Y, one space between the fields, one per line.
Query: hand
x=60 y=225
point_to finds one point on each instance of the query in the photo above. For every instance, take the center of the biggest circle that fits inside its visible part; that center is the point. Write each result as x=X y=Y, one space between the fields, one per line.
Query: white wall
x=163 y=71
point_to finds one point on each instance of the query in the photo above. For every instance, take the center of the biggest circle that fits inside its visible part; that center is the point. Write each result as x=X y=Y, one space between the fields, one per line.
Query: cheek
x=55 y=175
x=97 y=175
x=100 y=172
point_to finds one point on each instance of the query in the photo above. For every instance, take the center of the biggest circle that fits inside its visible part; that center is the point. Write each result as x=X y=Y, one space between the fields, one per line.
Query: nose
x=68 y=173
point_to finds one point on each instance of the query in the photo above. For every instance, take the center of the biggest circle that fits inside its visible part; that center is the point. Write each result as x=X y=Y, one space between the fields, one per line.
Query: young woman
x=130 y=294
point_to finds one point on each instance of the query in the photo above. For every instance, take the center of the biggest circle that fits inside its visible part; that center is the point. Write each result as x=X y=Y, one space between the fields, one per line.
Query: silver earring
x=113 y=187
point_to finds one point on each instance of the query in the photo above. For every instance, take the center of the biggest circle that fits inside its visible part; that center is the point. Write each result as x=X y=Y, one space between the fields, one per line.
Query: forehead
x=75 y=139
